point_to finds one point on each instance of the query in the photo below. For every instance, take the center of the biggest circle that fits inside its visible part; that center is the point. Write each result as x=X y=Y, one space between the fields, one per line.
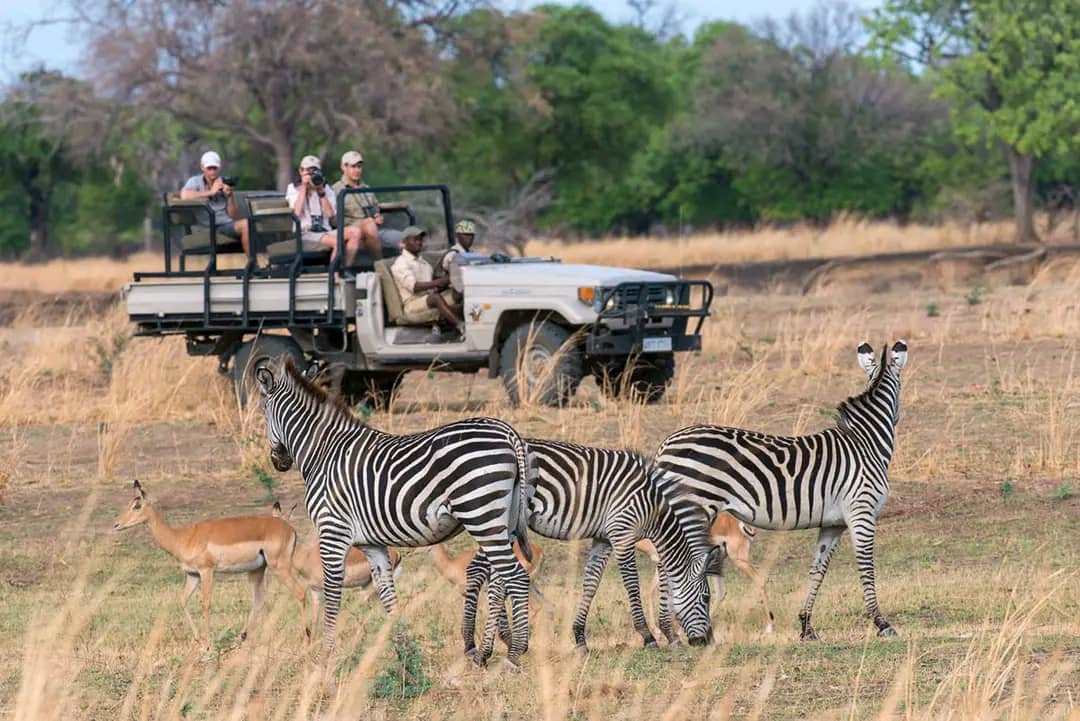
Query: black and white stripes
x=374 y=490
x=831 y=480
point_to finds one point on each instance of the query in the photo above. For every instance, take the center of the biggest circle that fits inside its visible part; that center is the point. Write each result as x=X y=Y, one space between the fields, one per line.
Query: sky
x=54 y=45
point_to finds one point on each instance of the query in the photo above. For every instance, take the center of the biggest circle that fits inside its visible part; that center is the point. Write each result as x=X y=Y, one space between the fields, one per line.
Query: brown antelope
x=308 y=565
x=238 y=544
x=452 y=568
x=734 y=536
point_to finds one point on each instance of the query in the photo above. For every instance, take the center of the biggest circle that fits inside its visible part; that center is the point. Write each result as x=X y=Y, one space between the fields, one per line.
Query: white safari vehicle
x=539 y=324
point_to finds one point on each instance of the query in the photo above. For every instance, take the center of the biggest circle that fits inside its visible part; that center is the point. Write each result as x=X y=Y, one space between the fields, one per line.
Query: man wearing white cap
x=210 y=187
x=313 y=201
x=361 y=209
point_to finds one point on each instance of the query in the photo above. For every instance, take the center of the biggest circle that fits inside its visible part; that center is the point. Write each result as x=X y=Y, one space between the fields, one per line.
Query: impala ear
x=899 y=354
x=276 y=510
x=139 y=490
x=865 y=354
x=265 y=377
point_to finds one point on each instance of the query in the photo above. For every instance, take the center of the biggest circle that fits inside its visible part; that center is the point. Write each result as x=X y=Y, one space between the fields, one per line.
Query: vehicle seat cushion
x=395 y=313
x=198 y=241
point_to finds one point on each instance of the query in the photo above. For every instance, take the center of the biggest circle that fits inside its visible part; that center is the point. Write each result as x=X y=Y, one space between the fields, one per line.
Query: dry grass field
x=978 y=549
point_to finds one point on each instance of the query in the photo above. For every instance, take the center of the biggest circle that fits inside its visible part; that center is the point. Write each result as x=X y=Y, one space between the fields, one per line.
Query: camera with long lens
x=230 y=180
x=317 y=178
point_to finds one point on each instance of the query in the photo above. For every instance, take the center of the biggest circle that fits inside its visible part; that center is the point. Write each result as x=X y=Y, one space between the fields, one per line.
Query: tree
x=274 y=73
x=1011 y=68
x=809 y=126
x=35 y=161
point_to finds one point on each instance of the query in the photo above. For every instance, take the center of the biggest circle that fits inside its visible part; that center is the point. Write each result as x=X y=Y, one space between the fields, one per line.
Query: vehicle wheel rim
x=537 y=361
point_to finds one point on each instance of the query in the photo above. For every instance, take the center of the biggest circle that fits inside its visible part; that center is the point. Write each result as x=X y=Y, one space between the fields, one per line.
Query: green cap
x=465 y=227
x=412 y=231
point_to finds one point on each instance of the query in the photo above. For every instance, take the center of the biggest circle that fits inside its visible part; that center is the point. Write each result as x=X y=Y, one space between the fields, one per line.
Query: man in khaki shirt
x=425 y=299
x=361 y=209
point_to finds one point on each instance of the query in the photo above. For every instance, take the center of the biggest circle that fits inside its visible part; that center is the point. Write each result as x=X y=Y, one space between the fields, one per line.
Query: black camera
x=230 y=180
x=317 y=178
x=370 y=211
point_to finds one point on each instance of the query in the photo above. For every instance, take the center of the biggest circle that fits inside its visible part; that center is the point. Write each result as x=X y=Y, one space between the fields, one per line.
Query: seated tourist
x=424 y=298
x=313 y=201
x=361 y=209
x=210 y=186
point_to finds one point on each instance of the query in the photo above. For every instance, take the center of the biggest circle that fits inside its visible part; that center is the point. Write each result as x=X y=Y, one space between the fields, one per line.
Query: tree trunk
x=1022 y=174
x=38 y=224
x=283 y=156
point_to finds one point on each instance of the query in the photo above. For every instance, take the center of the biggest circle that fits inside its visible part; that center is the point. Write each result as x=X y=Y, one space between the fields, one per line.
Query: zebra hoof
x=470 y=652
x=808 y=635
x=509 y=665
x=888 y=631
x=581 y=649
x=651 y=643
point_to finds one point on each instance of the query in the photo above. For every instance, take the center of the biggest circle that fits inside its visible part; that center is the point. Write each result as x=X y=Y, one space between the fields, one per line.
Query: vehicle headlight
x=669 y=296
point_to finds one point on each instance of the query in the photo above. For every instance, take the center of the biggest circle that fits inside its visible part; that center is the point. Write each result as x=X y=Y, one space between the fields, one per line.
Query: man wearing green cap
x=425 y=298
x=361 y=209
x=464 y=235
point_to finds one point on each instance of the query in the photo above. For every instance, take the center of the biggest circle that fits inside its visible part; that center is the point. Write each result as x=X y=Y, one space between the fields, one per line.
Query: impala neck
x=169 y=538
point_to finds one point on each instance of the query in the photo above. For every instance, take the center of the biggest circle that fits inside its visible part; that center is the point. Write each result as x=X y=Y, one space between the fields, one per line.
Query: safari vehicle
x=539 y=324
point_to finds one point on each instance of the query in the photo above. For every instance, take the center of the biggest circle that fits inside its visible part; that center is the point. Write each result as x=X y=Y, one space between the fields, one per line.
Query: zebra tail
x=519 y=502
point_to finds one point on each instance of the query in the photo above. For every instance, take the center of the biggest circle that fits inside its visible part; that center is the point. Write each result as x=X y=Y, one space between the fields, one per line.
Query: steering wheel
x=500 y=258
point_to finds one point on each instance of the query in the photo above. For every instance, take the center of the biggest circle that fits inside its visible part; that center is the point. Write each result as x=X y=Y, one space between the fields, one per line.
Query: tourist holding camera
x=361 y=209
x=313 y=201
x=217 y=191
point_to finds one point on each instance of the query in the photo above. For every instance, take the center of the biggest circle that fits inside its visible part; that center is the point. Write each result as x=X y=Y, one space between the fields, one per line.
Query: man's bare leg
x=369 y=234
x=436 y=301
x=242 y=230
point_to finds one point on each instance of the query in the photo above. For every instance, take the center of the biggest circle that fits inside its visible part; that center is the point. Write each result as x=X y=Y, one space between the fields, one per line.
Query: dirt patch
x=51 y=309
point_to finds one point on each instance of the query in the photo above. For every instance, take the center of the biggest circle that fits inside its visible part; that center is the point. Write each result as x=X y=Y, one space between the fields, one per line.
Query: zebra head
x=275 y=385
x=882 y=395
x=692 y=598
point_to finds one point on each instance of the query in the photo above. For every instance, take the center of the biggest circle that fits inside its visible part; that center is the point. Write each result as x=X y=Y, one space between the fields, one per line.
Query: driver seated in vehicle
x=425 y=299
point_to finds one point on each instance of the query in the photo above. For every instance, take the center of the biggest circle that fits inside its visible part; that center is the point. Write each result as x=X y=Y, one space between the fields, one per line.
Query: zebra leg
x=826 y=544
x=476 y=575
x=496 y=605
x=594 y=569
x=382 y=575
x=332 y=551
x=517 y=588
x=666 y=626
x=628 y=570
x=862 y=538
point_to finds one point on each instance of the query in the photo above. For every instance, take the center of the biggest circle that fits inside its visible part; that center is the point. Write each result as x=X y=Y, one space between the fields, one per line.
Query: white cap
x=210 y=159
x=310 y=161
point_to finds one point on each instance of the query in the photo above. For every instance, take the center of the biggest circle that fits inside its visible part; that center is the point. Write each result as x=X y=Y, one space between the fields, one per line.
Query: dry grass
x=846 y=236
x=980 y=580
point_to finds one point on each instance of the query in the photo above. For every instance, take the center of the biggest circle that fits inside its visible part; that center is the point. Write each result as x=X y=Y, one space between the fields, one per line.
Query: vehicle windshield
x=424 y=207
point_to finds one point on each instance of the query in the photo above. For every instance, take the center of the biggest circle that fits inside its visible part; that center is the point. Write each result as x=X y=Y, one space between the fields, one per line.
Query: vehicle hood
x=563 y=274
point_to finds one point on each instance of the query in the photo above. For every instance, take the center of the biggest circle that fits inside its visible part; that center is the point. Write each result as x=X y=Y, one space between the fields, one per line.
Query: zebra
x=578 y=492
x=372 y=489
x=831 y=480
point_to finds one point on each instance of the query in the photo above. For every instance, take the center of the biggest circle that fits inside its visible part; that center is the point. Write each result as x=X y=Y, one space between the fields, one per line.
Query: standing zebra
x=578 y=492
x=832 y=480
x=371 y=489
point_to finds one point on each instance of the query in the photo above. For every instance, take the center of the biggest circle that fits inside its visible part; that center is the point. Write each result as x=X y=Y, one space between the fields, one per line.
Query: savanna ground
x=977 y=558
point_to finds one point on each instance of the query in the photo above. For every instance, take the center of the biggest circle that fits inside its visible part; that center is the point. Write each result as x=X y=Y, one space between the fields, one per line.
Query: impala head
x=137 y=511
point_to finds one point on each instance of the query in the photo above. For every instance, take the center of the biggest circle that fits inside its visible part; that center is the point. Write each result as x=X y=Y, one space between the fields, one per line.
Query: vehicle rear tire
x=552 y=369
x=639 y=378
x=373 y=390
x=256 y=352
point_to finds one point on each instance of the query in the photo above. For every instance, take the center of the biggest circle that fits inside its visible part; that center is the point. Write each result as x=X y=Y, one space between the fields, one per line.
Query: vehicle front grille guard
x=636 y=303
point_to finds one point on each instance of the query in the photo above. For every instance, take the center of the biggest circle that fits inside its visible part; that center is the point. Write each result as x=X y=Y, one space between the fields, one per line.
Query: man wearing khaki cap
x=464 y=235
x=425 y=298
x=361 y=209
x=210 y=186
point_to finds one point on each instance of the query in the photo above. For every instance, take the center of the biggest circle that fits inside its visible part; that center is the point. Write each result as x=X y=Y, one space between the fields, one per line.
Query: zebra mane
x=335 y=402
x=845 y=419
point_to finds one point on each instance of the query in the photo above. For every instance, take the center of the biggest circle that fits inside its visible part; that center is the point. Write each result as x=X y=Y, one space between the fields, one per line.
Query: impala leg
x=862 y=538
x=284 y=574
x=257 y=580
x=191 y=582
x=756 y=580
x=627 y=561
x=206 y=582
x=476 y=575
x=826 y=544
x=594 y=569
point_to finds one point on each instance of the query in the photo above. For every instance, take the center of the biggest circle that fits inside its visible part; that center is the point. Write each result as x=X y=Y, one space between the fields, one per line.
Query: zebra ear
x=311 y=372
x=265 y=377
x=899 y=354
x=865 y=354
x=714 y=561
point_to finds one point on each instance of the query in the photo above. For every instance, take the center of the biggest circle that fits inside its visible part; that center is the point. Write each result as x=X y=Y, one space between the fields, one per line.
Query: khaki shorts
x=416 y=309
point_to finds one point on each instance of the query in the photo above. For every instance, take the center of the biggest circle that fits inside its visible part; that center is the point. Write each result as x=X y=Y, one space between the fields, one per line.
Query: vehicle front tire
x=551 y=367
x=256 y=352
x=639 y=378
x=374 y=390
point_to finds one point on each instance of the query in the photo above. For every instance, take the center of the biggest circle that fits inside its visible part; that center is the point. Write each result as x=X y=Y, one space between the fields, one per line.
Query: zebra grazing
x=832 y=480
x=577 y=492
x=371 y=489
